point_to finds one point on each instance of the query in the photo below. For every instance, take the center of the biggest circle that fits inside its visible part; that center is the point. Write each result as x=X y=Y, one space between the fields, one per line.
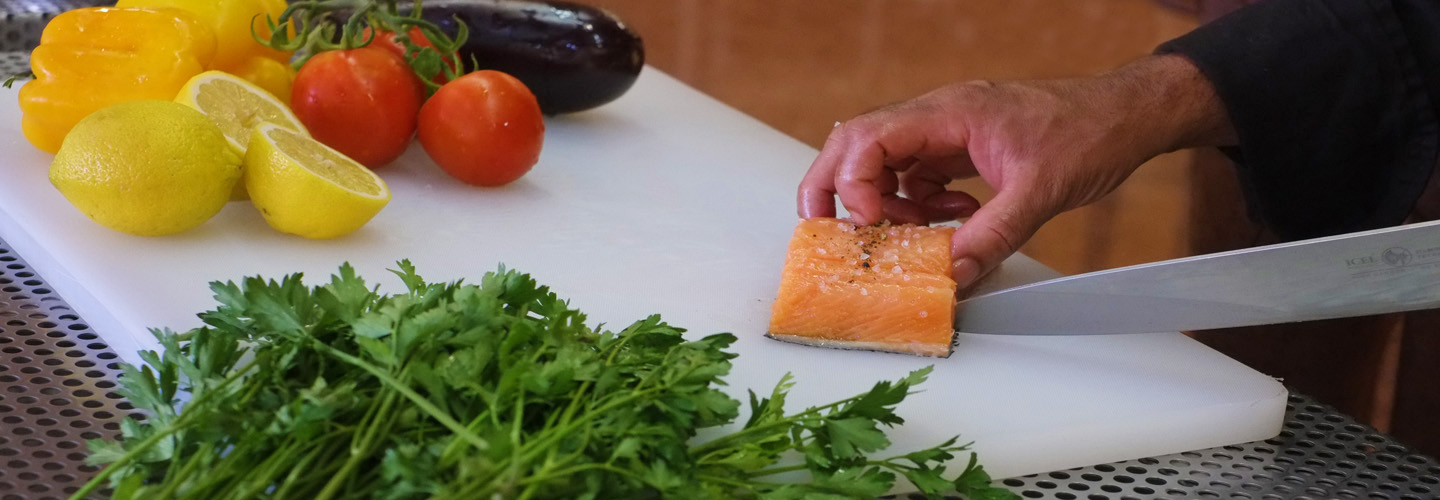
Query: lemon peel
x=147 y=168
x=305 y=188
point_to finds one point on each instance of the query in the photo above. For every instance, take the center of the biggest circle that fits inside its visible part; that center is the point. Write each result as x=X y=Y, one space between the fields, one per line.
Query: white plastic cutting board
x=668 y=202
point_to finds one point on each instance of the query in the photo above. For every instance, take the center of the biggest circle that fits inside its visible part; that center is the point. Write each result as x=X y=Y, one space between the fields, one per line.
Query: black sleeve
x=1334 y=102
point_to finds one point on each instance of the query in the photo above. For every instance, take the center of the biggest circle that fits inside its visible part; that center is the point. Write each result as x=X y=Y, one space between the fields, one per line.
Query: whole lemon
x=147 y=168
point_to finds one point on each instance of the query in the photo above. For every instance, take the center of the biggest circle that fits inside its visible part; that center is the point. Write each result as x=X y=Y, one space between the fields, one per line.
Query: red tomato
x=386 y=40
x=484 y=128
x=362 y=102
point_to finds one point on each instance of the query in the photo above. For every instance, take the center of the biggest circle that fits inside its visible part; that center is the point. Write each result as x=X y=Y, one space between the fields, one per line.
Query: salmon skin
x=882 y=288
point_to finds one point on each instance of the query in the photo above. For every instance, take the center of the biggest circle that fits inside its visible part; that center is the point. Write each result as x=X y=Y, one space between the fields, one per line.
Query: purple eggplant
x=574 y=57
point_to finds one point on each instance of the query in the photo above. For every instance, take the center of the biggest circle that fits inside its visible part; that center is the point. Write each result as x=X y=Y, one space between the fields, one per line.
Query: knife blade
x=1356 y=274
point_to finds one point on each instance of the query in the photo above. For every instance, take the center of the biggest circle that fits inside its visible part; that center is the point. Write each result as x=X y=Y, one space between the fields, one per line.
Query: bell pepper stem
x=17 y=77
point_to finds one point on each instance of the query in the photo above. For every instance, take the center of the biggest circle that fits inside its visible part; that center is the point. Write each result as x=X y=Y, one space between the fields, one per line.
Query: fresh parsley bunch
x=489 y=391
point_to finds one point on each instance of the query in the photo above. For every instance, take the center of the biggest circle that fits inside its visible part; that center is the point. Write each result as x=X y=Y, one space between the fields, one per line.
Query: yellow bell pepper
x=94 y=57
x=269 y=74
x=237 y=51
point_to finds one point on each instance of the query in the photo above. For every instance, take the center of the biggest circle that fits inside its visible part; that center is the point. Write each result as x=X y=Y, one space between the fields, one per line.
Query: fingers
x=816 y=197
x=816 y=202
x=926 y=198
x=922 y=183
x=927 y=186
x=834 y=171
x=991 y=235
x=940 y=207
x=904 y=211
x=949 y=205
x=858 y=180
x=887 y=182
x=861 y=158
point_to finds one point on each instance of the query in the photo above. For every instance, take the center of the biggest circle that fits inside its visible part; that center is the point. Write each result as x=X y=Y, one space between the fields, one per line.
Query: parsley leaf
x=493 y=390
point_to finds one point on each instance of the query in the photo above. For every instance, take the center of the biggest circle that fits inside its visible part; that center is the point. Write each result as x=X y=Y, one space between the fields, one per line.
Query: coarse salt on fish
x=834 y=292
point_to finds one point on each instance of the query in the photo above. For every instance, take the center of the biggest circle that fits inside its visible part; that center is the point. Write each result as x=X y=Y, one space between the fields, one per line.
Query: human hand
x=1044 y=146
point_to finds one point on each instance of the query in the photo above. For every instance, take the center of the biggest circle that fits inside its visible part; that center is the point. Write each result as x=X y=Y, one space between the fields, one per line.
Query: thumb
x=995 y=232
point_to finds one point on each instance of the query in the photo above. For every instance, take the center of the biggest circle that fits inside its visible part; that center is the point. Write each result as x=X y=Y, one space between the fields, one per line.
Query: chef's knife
x=1356 y=274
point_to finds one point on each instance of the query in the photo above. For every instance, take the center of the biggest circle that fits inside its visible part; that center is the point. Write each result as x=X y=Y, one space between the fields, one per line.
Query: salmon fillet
x=884 y=288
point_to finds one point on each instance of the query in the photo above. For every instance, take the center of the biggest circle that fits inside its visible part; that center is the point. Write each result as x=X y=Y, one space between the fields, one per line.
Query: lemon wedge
x=236 y=106
x=305 y=188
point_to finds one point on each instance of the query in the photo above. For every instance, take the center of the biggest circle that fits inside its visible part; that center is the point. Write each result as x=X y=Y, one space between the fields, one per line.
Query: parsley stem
x=312 y=478
x=544 y=476
x=776 y=470
x=222 y=473
x=727 y=441
x=571 y=426
x=216 y=475
x=175 y=426
x=540 y=445
x=544 y=443
x=749 y=485
x=456 y=446
x=174 y=468
x=176 y=479
x=614 y=350
x=360 y=444
x=409 y=393
x=770 y=471
x=301 y=466
x=516 y=434
x=283 y=458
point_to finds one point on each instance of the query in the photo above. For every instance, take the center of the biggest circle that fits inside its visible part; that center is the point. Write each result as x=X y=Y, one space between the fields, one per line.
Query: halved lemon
x=236 y=106
x=306 y=188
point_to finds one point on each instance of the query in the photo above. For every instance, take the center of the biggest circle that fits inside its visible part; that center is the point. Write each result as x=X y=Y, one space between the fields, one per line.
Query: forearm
x=1172 y=103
